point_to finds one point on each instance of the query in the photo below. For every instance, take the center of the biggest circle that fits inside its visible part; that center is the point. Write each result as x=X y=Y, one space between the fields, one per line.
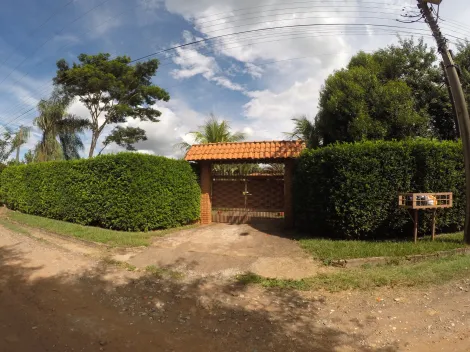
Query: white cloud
x=253 y=70
x=194 y=63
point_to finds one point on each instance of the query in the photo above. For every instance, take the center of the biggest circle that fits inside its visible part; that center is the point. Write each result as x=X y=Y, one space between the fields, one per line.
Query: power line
x=44 y=43
x=34 y=31
x=290 y=38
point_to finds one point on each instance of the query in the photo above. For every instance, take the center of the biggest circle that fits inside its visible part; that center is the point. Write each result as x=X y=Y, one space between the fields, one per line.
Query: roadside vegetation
x=429 y=272
x=88 y=233
x=327 y=249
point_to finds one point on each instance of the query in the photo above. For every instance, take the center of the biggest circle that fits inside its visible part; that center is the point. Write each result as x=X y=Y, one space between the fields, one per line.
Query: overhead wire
x=367 y=33
x=35 y=30
x=255 y=30
x=50 y=38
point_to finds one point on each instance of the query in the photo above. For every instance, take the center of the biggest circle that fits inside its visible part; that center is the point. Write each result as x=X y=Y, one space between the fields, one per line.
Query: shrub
x=126 y=191
x=351 y=190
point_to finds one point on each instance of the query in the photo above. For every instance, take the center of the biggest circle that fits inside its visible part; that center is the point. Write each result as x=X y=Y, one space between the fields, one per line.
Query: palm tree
x=20 y=138
x=213 y=131
x=305 y=130
x=60 y=130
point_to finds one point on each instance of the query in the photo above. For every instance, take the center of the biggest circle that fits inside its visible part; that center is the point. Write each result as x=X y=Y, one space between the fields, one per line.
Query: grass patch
x=326 y=249
x=164 y=272
x=89 y=233
x=118 y=263
x=430 y=272
x=13 y=227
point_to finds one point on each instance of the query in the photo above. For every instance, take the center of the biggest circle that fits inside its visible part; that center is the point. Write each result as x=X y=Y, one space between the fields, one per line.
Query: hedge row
x=351 y=190
x=126 y=191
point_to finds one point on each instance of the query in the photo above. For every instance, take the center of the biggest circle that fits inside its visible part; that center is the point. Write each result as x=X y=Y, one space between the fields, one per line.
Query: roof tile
x=245 y=150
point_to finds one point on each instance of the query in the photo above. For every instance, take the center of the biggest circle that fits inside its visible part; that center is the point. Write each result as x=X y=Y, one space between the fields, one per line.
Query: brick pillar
x=288 y=198
x=206 y=186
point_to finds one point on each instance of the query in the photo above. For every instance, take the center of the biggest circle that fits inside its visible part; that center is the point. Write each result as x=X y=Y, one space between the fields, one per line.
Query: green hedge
x=351 y=190
x=126 y=191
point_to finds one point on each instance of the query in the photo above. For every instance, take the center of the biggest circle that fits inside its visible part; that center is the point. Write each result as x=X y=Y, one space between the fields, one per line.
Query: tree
x=6 y=145
x=125 y=137
x=394 y=93
x=112 y=90
x=213 y=131
x=20 y=138
x=60 y=130
x=305 y=130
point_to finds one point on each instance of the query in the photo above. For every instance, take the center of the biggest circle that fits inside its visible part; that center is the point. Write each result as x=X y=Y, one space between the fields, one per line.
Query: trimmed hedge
x=351 y=190
x=125 y=191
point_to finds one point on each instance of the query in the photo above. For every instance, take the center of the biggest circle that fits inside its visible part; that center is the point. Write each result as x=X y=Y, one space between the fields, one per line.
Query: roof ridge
x=245 y=142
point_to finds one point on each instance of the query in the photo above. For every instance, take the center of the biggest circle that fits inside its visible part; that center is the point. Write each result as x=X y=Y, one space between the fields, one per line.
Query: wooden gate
x=247 y=198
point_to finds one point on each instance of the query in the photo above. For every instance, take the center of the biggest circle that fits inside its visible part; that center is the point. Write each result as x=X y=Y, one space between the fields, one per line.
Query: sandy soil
x=225 y=250
x=58 y=297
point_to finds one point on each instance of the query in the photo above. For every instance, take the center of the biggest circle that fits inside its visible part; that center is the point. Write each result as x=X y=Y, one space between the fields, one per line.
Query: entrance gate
x=247 y=198
x=237 y=197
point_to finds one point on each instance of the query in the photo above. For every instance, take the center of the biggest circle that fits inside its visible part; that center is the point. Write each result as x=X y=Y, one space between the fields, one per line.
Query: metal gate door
x=247 y=198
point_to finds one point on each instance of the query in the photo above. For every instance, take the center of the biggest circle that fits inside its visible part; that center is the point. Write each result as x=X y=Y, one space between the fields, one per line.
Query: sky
x=256 y=80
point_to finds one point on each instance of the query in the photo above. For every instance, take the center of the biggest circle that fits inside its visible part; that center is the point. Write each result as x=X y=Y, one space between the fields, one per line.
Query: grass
x=88 y=233
x=13 y=227
x=430 y=272
x=162 y=272
x=120 y=264
x=326 y=249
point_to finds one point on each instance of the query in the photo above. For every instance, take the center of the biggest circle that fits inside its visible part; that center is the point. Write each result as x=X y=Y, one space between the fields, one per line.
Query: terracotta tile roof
x=270 y=150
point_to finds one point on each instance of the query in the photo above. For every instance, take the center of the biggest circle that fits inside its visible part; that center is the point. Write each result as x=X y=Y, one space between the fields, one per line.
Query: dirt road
x=56 y=297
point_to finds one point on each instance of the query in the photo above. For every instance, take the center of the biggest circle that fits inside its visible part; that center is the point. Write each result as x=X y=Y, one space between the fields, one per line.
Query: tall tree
x=60 y=130
x=213 y=131
x=112 y=90
x=394 y=93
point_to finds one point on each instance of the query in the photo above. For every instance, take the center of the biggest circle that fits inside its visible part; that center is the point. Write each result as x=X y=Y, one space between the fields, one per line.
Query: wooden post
x=288 y=197
x=206 y=186
x=415 y=228
x=433 y=224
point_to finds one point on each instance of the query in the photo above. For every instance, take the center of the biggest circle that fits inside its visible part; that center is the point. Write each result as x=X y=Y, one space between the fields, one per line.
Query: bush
x=126 y=191
x=351 y=190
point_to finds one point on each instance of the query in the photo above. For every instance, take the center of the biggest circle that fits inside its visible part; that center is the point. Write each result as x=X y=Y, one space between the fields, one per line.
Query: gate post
x=206 y=186
x=288 y=198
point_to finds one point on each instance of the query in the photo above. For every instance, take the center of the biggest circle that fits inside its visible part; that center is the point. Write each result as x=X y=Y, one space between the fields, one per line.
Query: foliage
x=213 y=131
x=21 y=137
x=351 y=190
x=11 y=140
x=124 y=137
x=126 y=191
x=111 y=88
x=60 y=130
x=393 y=93
x=305 y=130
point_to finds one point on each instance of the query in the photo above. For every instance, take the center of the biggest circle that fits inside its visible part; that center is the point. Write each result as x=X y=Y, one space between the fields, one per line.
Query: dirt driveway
x=57 y=296
x=225 y=250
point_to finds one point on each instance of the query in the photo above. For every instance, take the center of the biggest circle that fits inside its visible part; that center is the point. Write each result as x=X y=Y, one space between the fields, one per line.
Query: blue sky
x=258 y=81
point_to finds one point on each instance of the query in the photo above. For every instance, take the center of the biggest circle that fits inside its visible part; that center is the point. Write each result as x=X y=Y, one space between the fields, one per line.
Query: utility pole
x=454 y=110
x=458 y=97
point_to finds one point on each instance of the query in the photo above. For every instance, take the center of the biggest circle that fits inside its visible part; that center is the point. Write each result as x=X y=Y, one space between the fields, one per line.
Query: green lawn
x=325 y=249
x=89 y=233
x=429 y=272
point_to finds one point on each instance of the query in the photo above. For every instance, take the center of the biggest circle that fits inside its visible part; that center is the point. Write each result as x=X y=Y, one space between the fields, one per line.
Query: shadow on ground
x=103 y=310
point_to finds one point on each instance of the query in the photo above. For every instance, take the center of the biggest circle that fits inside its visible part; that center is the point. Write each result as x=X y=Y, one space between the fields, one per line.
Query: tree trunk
x=94 y=139
x=20 y=137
